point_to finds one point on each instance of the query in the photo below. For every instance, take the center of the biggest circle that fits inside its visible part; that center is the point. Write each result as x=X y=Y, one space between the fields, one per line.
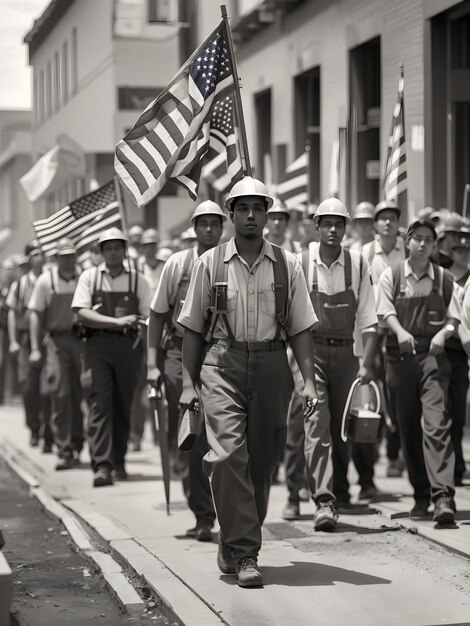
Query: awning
x=62 y=164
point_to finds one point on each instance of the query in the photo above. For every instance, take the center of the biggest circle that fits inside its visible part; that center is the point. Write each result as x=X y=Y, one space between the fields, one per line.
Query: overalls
x=63 y=362
x=326 y=455
x=112 y=359
x=416 y=384
x=456 y=396
x=37 y=405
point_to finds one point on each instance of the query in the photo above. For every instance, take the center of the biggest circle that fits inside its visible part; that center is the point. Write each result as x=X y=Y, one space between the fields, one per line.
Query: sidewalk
x=303 y=570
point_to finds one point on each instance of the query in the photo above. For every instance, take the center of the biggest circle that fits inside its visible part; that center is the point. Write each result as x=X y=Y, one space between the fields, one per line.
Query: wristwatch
x=450 y=328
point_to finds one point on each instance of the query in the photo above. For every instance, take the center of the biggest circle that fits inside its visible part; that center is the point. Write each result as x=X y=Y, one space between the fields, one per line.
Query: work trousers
x=327 y=455
x=457 y=403
x=392 y=432
x=246 y=396
x=195 y=483
x=294 y=458
x=140 y=409
x=109 y=380
x=67 y=417
x=417 y=384
x=37 y=406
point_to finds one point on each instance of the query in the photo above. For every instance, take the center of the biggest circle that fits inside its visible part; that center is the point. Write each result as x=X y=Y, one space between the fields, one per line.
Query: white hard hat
x=248 y=186
x=207 y=208
x=149 y=236
x=112 y=234
x=331 y=206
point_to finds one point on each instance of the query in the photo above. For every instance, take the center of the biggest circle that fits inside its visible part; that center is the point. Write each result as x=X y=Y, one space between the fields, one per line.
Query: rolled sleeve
x=366 y=314
x=385 y=305
x=301 y=315
x=82 y=298
x=454 y=310
x=40 y=298
x=198 y=299
x=144 y=293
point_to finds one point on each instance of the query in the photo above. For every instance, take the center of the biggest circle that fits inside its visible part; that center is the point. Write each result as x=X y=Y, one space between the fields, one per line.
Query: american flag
x=293 y=189
x=173 y=133
x=83 y=220
x=224 y=166
x=395 y=183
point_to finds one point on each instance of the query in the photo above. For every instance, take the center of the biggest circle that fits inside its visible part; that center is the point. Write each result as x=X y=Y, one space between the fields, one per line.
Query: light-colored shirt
x=42 y=292
x=415 y=288
x=27 y=285
x=331 y=280
x=250 y=296
x=165 y=296
x=84 y=291
x=152 y=274
x=380 y=260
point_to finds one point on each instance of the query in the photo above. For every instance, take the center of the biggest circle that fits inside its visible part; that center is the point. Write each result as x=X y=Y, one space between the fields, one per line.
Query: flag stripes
x=293 y=189
x=395 y=182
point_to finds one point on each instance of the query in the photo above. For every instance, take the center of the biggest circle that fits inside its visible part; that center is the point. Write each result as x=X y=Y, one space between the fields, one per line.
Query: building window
x=365 y=115
x=160 y=11
x=307 y=125
x=263 y=132
x=56 y=81
x=36 y=98
x=65 y=71
x=48 y=90
x=41 y=97
x=74 y=67
x=6 y=196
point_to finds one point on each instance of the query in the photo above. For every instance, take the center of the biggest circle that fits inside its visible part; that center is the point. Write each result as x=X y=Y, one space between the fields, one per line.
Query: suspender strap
x=347 y=269
x=438 y=279
x=281 y=289
x=372 y=252
x=53 y=289
x=219 y=275
x=95 y=282
x=402 y=279
x=305 y=258
x=220 y=268
x=187 y=266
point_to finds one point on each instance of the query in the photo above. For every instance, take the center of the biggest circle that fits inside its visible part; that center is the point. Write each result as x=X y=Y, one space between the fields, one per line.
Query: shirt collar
x=318 y=260
x=103 y=268
x=408 y=270
x=398 y=245
x=266 y=250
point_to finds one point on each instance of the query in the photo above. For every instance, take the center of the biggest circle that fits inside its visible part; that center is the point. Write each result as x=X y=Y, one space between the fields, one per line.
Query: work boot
x=291 y=511
x=34 y=441
x=65 y=463
x=395 y=469
x=368 y=493
x=444 y=510
x=225 y=561
x=204 y=532
x=102 y=477
x=420 y=510
x=47 y=448
x=248 y=574
x=325 y=516
x=120 y=473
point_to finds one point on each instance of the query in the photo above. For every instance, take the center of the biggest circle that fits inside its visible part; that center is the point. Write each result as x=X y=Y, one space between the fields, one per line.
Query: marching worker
x=150 y=263
x=8 y=274
x=456 y=397
x=387 y=250
x=36 y=404
x=207 y=220
x=343 y=298
x=109 y=300
x=448 y=233
x=277 y=226
x=51 y=313
x=362 y=224
x=258 y=298
x=134 y=249
x=420 y=306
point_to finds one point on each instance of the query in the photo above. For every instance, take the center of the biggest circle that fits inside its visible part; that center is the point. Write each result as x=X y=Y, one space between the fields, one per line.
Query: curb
x=126 y=596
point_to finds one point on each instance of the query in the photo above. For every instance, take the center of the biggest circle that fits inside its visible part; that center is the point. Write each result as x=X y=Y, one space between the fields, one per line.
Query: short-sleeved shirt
x=415 y=288
x=331 y=280
x=152 y=274
x=379 y=260
x=42 y=292
x=16 y=295
x=250 y=296
x=119 y=284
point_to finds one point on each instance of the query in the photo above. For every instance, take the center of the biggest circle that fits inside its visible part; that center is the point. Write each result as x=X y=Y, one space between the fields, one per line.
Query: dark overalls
x=416 y=384
x=64 y=355
x=335 y=370
x=112 y=360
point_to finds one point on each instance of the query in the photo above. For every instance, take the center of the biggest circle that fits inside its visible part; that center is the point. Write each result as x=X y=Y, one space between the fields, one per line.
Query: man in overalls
x=419 y=304
x=109 y=300
x=37 y=405
x=207 y=220
x=343 y=299
x=51 y=314
x=278 y=223
x=258 y=298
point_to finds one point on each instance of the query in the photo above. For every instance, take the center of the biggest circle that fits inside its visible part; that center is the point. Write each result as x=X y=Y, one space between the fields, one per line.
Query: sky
x=16 y=19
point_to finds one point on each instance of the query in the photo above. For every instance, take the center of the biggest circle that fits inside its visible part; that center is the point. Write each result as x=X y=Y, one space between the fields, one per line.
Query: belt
x=330 y=341
x=255 y=346
x=102 y=332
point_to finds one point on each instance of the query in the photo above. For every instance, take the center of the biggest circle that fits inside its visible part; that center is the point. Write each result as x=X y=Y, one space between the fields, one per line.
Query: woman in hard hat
x=109 y=300
x=258 y=298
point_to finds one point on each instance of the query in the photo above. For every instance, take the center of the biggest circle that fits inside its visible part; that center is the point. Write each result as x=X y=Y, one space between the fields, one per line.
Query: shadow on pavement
x=302 y=574
x=349 y=528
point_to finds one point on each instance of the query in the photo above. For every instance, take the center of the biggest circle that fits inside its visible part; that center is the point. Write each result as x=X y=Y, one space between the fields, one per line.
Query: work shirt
x=379 y=260
x=152 y=274
x=119 y=284
x=291 y=246
x=331 y=280
x=415 y=288
x=250 y=297
x=42 y=292
x=27 y=286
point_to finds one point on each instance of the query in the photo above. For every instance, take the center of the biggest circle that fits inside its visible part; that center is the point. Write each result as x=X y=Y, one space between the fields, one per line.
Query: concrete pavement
x=370 y=571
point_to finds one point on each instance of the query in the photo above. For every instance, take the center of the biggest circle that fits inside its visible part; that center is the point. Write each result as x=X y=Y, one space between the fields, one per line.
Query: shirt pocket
x=232 y=300
x=267 y=302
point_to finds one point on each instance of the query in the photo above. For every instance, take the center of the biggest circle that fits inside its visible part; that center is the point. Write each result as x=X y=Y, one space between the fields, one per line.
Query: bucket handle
x=355 y=384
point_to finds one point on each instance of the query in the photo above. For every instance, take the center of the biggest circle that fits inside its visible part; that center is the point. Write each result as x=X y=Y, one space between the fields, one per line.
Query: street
x=371 y=570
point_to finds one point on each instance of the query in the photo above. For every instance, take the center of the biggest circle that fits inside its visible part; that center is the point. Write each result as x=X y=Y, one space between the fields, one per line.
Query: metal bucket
x=361 y=425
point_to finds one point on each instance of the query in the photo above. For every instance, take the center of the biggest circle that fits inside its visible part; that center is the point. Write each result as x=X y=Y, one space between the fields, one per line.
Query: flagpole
x=309 y=182
x=122 y=212
x=238 y=100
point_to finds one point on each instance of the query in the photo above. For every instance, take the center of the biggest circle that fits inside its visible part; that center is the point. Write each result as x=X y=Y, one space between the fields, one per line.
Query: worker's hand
x=438 y=343
x=189 y=400
x=365 y=374
x=35 y=357
x=153 y=375
x=127 y=321
x=406 y=341
x=14 y=348
x=309 y=400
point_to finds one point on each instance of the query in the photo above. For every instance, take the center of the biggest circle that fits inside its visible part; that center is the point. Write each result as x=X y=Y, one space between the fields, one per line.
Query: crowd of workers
x=262 y=336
